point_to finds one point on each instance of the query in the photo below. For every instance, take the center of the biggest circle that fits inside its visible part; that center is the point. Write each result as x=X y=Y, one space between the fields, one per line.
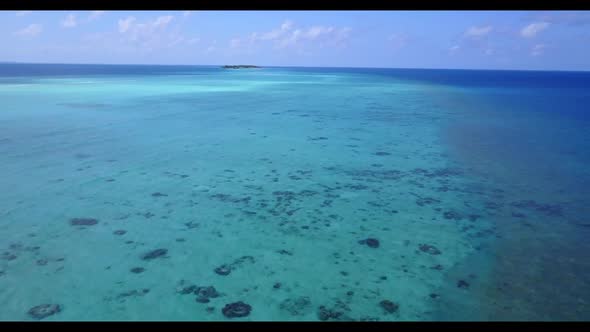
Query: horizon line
x=291 y=66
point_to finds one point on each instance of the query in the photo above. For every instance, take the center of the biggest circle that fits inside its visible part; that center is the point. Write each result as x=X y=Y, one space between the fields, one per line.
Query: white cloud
x=235 y=43
x=342 y=34
x=23 y=12
x=162 y=21
x=317 y=31
x=477 y=32
x=475 y=38
x=69 y=21
x=572 y=19
x=140 y=37
x=193 y=40
x=287 y=25
x=538 y=49
x=275 y=33
x=287 y=35
x=95 y=14
x=322 y=34
x=187 y=13
x=533 y=29
x=291 y=39
x=125 y=24
x=32 y=30
x=151 y=34
x=175 y=40
x=398 y=41
x=144 y=31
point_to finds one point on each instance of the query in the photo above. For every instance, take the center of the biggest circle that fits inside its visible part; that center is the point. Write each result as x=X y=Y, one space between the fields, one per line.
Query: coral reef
x=154 y=254
x=429 y=249
x=298 y=306
x=236 y=309
x=137 y=270
x=44 y=310
x=389 y=306
x=83 y=221
x=370 y=242
x=205 y=293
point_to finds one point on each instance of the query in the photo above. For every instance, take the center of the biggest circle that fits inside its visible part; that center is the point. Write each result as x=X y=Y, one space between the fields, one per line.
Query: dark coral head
x=208 y=292
x=371 y=242
x=223 y=270
x=389 y=306
x=83 y=221
x=236 y=309
x=44 y=310
x=155 y=254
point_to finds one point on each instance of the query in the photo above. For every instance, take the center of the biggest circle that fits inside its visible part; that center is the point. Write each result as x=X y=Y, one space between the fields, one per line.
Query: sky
x=533 y=40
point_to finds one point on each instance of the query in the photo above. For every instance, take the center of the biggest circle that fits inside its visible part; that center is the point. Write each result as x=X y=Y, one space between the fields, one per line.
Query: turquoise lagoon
x=306 y=193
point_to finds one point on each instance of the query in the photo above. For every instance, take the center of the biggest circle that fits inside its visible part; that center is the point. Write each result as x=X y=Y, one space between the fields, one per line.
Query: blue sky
x=399 y=39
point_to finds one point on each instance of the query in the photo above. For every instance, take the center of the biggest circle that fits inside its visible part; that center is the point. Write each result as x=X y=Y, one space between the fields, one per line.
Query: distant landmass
x=240 y=66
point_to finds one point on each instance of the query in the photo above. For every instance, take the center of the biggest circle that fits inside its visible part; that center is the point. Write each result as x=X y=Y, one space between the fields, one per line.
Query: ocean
x=196 y=193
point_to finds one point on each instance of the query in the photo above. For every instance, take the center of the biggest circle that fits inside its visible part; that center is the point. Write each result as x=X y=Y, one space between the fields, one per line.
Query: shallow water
x=264 y=184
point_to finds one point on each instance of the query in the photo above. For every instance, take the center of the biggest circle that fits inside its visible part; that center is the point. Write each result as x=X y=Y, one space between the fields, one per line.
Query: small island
x=239 y=66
